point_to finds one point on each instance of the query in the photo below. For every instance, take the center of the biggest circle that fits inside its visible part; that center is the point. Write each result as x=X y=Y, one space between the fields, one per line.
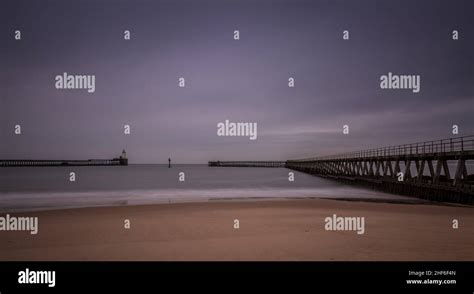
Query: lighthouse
x=123 y=158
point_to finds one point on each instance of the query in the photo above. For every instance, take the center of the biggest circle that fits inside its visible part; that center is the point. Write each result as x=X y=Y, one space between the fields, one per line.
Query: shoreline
x=398 y=199
x=289 y=230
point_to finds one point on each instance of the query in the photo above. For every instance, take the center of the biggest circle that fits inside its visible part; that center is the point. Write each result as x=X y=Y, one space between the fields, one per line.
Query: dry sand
x=269 y=230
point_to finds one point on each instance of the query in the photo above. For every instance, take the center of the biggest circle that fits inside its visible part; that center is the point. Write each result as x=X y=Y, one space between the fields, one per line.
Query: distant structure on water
x=247 y=163
x=122 y=160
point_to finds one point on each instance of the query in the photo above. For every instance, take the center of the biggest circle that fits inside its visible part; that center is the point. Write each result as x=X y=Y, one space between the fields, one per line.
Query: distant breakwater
x=90 y=162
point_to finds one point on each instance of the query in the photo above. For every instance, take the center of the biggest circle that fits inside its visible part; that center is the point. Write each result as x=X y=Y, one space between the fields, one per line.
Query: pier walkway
x=419 y=169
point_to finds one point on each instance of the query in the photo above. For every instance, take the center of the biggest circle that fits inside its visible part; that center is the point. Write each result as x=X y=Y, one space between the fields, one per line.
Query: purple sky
x=337 y=81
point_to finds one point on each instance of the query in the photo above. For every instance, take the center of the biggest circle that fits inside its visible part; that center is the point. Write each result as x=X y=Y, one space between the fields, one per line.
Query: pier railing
x=457 y=144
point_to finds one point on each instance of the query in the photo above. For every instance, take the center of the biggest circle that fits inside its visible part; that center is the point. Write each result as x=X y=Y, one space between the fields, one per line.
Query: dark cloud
x=337 y=82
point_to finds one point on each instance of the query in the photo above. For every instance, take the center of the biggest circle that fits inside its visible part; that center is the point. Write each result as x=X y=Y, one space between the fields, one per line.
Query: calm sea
x=38 y=188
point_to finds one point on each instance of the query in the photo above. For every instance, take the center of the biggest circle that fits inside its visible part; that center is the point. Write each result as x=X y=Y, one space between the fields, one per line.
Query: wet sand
x=269 y=230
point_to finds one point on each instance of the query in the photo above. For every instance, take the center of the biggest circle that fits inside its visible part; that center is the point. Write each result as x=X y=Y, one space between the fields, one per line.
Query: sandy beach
x=268 y=230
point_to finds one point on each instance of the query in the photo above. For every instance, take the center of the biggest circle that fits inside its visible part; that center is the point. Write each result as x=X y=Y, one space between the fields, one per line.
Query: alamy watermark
x=67 y=81
x=393 y=81
x=37 y=277
x=19 y=223
x=340 y=223
x=237 y=129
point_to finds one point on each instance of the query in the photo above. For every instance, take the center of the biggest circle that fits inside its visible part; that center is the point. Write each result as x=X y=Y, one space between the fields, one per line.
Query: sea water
x=39 y=188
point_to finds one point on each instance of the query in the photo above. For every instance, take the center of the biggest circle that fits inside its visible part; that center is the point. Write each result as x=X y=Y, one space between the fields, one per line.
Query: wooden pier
x=419 y=169
x=120 y=161
x=247 y=163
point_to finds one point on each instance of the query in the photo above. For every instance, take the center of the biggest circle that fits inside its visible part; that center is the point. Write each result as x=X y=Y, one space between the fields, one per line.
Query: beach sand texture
x=269 y=230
